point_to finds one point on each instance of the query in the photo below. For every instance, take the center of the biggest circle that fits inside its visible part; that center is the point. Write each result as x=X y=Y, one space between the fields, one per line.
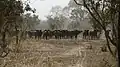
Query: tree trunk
x=16 y=31
x=118 y=44
x=1 y=21
x=3 y=40
x=118 y=40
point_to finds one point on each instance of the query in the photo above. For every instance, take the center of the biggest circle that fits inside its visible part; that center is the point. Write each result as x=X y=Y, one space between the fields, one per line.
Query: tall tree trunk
x=16 y=33
x=1 y=21
x=3 y=39
x=118 y=45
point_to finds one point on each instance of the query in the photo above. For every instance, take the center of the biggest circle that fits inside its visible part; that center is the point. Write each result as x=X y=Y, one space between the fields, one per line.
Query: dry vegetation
x=59 y=53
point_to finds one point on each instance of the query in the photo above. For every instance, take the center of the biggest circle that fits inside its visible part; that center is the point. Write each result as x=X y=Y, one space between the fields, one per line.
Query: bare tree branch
x=93 y=15
x=115 y=44
x=78 y=3
x=109 y=46
x=100 y=22
x=96 y=12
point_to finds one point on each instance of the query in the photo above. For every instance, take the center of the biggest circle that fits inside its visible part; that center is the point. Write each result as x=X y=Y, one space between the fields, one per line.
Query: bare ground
x=59 y=53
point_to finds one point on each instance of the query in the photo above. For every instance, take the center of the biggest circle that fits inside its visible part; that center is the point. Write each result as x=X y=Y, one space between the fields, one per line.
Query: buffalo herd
x=63 y=34
x=57 y=34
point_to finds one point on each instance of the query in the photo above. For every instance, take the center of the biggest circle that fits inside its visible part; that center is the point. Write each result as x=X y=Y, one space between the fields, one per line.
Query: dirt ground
x=59 y=53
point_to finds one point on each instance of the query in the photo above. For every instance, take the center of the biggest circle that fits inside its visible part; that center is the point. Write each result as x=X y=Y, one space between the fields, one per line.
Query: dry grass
x=59 y=53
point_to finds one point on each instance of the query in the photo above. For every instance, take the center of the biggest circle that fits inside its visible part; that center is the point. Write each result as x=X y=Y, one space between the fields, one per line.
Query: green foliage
x=10 y=12
x=56 y=18
x=94 y=24
x=11 y=18
x=74 y=26
x=30 y=20
x=11 y=7
x=77 y=13
x=56 y=22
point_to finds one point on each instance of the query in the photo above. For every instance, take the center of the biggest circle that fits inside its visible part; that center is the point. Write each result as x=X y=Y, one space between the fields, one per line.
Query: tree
x=56 y=11
x=50 y=22
x=56 y=19
x=77 y=14
x=56 y=22
x=74 y=25
x=10 y=14
x=94 y=24
x=31 y=21
x=105 y=12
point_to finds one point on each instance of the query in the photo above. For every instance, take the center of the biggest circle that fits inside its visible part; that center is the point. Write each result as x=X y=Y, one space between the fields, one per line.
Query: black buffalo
x=93 y=34
x=86 y=34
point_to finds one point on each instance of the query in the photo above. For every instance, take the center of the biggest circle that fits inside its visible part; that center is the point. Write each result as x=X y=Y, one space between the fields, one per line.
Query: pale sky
x=43 y=6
